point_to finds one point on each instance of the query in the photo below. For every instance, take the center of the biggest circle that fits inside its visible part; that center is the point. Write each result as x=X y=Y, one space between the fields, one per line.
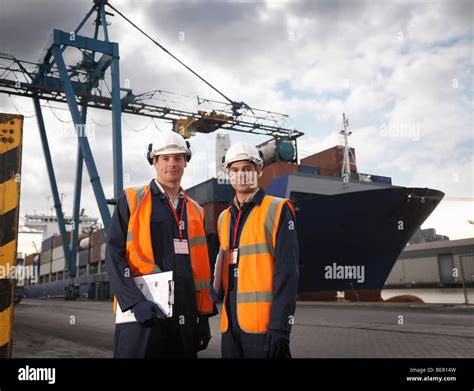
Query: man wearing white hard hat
x=258 y=259
x=158 y=228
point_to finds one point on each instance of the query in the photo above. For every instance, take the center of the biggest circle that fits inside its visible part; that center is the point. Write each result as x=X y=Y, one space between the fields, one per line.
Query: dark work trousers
x=236 y=343
x=163 y=340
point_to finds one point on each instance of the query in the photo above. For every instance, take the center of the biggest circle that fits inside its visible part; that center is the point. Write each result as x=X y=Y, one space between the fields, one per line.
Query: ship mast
x=346 y=168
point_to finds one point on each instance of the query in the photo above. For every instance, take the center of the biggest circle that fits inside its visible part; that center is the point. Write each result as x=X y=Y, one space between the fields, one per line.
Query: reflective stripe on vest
x=256 y=264
x=139 y=250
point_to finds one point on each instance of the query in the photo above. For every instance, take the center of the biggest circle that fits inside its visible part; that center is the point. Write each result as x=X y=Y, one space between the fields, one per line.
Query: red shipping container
x=327 y=159
x=30 y=259
x=275 y=170
x=95 y=254
x=330 y=172
x=97 y=238
x=57 y=240
x=330 y=159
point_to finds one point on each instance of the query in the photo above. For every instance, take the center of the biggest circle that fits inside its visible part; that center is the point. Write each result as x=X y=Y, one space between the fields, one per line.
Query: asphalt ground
x=85 y=329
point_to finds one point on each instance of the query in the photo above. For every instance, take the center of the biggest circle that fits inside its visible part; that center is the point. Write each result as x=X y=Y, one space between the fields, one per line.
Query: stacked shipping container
x=53 y=265
x=46 y=258
x=330 y=161
x=214 y=197
x=97 y=247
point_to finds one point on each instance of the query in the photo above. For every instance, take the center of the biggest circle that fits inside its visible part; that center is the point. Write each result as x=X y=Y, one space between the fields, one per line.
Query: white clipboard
x=217 y=283
x=157 y=287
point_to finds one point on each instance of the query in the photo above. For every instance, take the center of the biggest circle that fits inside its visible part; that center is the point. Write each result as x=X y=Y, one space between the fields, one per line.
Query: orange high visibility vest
x=256 y=264
x=139 y=250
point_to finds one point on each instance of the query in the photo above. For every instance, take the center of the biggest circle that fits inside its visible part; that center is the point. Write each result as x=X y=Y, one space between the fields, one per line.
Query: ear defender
x=189 y=155
x=148 y=154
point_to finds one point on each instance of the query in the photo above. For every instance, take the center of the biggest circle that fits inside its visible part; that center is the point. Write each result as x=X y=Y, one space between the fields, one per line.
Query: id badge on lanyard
x=181 y=246
x=234 y=256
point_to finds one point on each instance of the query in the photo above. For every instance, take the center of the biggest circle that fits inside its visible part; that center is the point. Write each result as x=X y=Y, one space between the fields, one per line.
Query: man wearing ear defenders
x=258 y=259
x=157 y=228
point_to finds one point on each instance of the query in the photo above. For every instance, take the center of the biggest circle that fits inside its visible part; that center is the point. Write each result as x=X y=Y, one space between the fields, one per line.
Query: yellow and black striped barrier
x=11 y=130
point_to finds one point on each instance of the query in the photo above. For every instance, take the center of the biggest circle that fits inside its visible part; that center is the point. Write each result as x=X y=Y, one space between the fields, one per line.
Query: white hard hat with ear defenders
x=169 y=143
x=242 y=150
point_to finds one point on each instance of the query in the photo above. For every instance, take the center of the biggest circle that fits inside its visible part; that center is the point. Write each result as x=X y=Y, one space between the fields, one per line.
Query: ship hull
x=349 y=242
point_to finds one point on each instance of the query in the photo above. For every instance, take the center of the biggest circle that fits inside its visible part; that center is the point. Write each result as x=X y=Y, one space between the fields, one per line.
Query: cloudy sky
x=402 y=71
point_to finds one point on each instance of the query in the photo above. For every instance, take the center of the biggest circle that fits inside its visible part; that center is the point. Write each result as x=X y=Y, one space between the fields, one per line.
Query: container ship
x=351 y=226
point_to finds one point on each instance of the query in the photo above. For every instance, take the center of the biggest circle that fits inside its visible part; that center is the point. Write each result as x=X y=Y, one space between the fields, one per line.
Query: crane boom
x=27 y=79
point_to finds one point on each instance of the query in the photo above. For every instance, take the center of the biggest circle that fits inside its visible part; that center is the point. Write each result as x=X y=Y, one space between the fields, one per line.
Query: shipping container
x=30 y=259
x=83 y=257
x=58 y=253
x=58 y=265
x=275 y=170
x=58 y=242
x=330 y=172
x=310 y=170
x=326 y=159
x=97 y=238
x=211 y=213
x=211 y=191
x=47 y=244
x=381 y=179
x=358 y=176
x=330 y=159
x=45 y=269
x=46 y=256
x=95 y=255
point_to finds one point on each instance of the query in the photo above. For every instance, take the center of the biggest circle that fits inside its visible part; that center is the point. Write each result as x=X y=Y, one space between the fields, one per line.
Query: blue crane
x=85 y=84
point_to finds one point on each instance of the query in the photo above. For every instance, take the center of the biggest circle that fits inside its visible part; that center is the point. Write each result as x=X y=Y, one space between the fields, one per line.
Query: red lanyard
x=236 y=228
x=176 y=215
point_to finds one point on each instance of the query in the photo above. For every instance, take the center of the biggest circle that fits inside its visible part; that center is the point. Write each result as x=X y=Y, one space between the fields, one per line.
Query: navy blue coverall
x=172 y=337
x=236 y=343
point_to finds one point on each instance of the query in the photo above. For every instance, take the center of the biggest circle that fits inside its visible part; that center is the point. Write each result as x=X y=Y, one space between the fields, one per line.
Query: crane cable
x=233 y=103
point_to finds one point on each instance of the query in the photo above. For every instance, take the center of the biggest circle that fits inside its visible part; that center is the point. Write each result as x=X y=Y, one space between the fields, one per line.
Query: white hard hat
x=242 y=151
x=169 y=143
